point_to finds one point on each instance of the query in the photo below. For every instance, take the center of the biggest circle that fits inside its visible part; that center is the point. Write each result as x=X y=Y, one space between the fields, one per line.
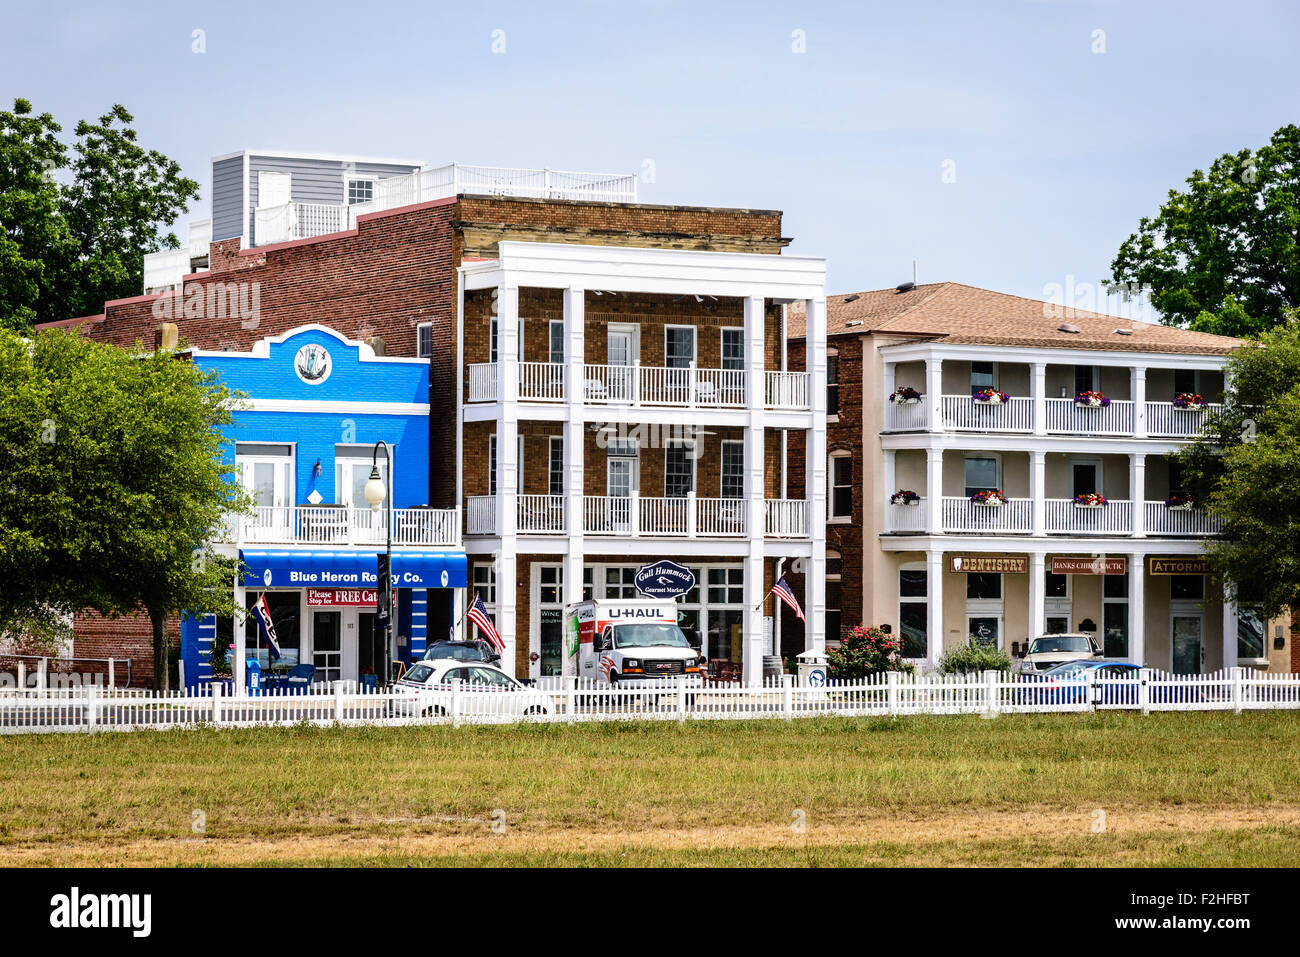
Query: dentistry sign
x=664 y=579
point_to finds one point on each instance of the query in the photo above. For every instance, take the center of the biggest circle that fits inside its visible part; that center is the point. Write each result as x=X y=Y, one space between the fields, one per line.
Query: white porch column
x=815 y=477
x=1038 y=389
x=237 y=636
x=755 y=492
x=575 y=348
x=934 y=392
x=1230 y=632
x=459 y=626
x=934 y=491
x=890 y=369
x=1137 y=491
x=934 y=605
x=1037 y=594
x=891 y=463
x=507 y=468
x=1038 y=489
x=1138 y=389
x=1137 y=584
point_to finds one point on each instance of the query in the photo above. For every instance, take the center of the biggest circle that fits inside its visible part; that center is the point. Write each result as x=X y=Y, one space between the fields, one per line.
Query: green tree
x=75 y=224
x=35 y=242
x=1246 y=469
x=114 y=483
x=1223 y=256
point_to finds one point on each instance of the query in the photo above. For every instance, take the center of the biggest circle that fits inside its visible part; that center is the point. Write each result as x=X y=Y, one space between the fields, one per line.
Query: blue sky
x=1057 y=150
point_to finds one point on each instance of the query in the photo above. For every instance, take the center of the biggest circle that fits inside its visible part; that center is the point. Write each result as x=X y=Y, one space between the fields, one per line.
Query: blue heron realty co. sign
x=664 y=579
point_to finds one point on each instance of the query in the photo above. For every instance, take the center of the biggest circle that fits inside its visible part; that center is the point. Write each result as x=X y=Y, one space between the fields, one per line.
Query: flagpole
x=764 y=598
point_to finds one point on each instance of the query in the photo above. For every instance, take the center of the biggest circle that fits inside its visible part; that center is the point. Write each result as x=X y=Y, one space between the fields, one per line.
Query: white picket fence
x=573 y=700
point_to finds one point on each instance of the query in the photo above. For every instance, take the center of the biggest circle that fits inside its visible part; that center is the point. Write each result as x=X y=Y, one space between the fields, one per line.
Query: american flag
x=263 y=612
x=782 y=591
x=478 y=614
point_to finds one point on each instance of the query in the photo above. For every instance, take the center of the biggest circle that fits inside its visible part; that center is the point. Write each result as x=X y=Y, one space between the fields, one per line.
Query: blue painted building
x=304 y=444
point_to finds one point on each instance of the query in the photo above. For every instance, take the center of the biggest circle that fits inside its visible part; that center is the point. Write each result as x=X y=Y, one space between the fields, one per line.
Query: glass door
x=985 y=630
x=268 y=481
x=370 y=646
x=551 y=628
x=1188 y=648
x=327 y=644
x=621 y=359
x=619 y=491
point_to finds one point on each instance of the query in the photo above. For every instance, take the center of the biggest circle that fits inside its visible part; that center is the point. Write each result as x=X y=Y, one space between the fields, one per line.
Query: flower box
x=1089 y=500
x=988 y=498
x=1180 y=503
x=904 y=497
x=989 y=396
x=905 y=396
x=1190 y=402
x=1091 y=400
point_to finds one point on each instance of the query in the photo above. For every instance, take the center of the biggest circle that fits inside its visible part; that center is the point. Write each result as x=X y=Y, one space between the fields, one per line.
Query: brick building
x=1093 y=529
x=423 y=266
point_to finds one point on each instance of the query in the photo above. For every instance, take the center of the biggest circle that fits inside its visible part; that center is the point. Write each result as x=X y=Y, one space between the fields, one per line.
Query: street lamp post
x=377 y=493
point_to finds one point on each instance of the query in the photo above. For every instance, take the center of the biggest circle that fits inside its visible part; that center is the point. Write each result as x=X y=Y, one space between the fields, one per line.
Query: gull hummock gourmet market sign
x=664 y=579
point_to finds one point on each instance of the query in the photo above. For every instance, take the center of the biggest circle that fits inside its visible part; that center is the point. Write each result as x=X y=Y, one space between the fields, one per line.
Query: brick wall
x=130 y=636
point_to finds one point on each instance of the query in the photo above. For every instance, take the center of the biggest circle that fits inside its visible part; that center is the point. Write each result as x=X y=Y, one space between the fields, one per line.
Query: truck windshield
x=1060 y=643
x=647 y=635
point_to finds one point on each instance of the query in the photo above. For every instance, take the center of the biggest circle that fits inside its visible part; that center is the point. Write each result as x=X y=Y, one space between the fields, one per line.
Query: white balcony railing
x=786 y=517
x=1164 y=419
x=642 y=516
x=1015 y=515
x=166 y=268
x=962 y=413
x=689 y=387
x=1063 y=516
x=786 y=390
x=1069 y=417
x=338 y=525
x=907 y=417
x=291 y=221
x=1161 y=520
x=906 y=518
x=443 y=182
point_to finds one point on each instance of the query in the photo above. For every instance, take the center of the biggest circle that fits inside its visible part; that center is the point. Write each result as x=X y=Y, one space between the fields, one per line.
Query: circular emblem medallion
x=313 y=364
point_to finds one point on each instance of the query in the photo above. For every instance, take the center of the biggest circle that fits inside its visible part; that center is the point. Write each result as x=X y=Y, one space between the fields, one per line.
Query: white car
x=479 y=690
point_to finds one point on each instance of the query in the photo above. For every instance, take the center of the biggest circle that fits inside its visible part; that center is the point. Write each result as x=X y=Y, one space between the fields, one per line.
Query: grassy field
x=1175 y=789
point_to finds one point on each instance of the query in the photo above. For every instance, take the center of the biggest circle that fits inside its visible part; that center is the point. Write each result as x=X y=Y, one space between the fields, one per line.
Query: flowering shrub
x=989 y=395
x=904 y=497
x=1180 y=501
x=988 y=496
x=973 y=658
x=868 y=651
x=1090 y=498
x=905 y=394
x=1091 y=398
x=1189 y=400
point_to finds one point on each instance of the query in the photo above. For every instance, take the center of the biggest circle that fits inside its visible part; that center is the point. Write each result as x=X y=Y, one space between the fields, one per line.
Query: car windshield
x=1059 y=643
x=419 y=673
x=448 y=649
x=1069 y=668
x=649 y=635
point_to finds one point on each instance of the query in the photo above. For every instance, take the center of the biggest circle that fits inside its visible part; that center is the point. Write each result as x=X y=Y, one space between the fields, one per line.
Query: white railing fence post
x=892 y=694
x=570 y=697
x=216 y=702
x=338 y=701
x=992 y=702
x=787 y=696
x=455 y=702
x=681 y=698
x=1090 y=688
x=92 y=708
x=1144 y=690
x=1237 y=675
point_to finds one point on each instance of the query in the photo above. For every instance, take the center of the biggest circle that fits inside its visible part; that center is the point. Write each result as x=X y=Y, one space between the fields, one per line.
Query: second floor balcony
x=640 y=386
x=961 y=413
x=1015 y=516
x=638 y=516
x=337 y=525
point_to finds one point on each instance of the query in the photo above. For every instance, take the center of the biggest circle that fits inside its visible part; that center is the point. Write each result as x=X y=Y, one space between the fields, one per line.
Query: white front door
x=1188 y=648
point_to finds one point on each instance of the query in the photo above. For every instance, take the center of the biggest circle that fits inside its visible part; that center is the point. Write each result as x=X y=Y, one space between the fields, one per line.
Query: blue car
x=1116 y=683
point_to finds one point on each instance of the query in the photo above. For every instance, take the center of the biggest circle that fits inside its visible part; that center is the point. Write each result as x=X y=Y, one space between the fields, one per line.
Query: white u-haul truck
x=629 y=641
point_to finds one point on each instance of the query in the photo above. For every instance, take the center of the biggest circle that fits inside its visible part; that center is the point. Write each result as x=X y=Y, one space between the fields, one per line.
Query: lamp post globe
x=375 y=489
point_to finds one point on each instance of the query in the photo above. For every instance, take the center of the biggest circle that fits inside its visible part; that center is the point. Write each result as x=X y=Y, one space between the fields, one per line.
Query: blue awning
x=307 y=569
